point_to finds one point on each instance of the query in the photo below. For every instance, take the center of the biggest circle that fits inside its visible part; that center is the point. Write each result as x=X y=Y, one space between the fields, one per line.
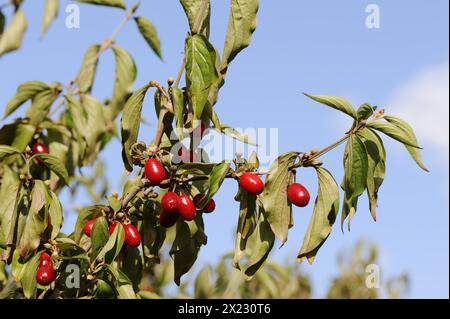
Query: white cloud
x=424 y=102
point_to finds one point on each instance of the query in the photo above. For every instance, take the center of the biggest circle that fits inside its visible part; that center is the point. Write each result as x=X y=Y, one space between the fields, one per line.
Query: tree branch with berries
x=169 y=185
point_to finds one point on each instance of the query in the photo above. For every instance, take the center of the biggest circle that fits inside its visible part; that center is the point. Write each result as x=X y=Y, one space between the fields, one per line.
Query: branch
x=144 y=183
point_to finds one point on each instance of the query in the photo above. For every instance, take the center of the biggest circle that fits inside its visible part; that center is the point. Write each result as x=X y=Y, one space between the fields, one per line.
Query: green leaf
x=260 y=247
x=198 y=13
x=129 y=124
x=11 y=38
x=6 y=151
x=86 y=75
x=41 y=104
x=324 y=215
x=9 y=192
x=215 y=180
x=394 y=132
x=235 y=134
x=201 y=72
x=99 y=237
x=115 y=203
x=37 y=220
x=86 y=215
x=56 y=214
x=376 y=166
x=55 y=165
x=364 y=112
x=125 y=76
x=274 y=198
x=28 y=280
x=355 y=178
x=195 y=169
x=179 y=107
x=241 y=25
x=149 y=33
x=335 y=102
x=408 y=130
x=132 y=266
x=109 y=3
x=50 y=14
x=25 y=92
x=114 y=244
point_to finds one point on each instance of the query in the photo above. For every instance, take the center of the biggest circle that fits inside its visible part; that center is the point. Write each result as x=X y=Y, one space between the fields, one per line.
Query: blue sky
x=319 y=47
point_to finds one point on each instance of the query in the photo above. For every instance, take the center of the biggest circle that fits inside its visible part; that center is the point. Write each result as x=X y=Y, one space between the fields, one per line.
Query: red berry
x=45 y=275
x=155 y=172
x=88 y=227
x=252 y=183
x=39 y=148
x=209 y=207
x=186 y=207
x=132 y=236
x=298 y=195
x=200 y=130
x=112 y=227
x=46 y=260
x=169 y=203
x=186 y=156
x=167 y=220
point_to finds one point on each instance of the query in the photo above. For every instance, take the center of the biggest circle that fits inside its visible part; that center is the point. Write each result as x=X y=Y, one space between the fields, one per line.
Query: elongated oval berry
x=209 y=207
x=39 y=148
x=186 y=156
x=167 y=220
x=132 y=236
x=155 y=172
x=46 y=260
x=45 y=275
x=112 y=227
x=298 y=195
x=87 y=230
x=169 y=203
x=252 y=183
x=186 y=207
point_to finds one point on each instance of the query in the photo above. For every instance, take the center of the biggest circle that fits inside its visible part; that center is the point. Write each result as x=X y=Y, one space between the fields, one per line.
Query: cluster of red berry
x=132 y=236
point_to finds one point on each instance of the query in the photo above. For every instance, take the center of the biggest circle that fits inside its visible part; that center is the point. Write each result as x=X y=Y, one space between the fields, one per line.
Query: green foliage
x=76 y=127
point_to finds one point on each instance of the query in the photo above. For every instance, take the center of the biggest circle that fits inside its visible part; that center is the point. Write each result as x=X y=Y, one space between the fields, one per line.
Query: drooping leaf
x=215 y=180
x=198 y=13
x=235 y=134
x=41 y=104
x=6 y=151
x=355 y=178
x=263 y=241
x=201 y=72
x=274 y=198
x=241 y=25
x=114 y=244
x=408 y=130
x=99 y=237
x=108 y=3
x=25 y=92
x=130 y=122
x=28 y=280
x=9 y=192
x=55 y=165
x=125 y=76
x=394 y=132
x=326 y=209
x=86 y=75
x=11 y=38
x=195 y=169
x=335 y=102
x=179 y=107
x=86 y=215
x=55 y=214
x=376 y=166
x=150 y=34
x=50 y=14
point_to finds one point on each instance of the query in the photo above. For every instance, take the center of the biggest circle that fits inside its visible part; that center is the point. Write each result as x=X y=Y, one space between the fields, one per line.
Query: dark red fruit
x=298 y=195
x=46 y=260
x=169 y=203
x=88 y=227
x=155 y=172
x=186 y=207
x=39 y=148
x=45 y=275
x=252 y=183
x=167 y=220
x=200 y=130
x=112 y=227
x=132 y=236
x=186 y=156
x=209 y=207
